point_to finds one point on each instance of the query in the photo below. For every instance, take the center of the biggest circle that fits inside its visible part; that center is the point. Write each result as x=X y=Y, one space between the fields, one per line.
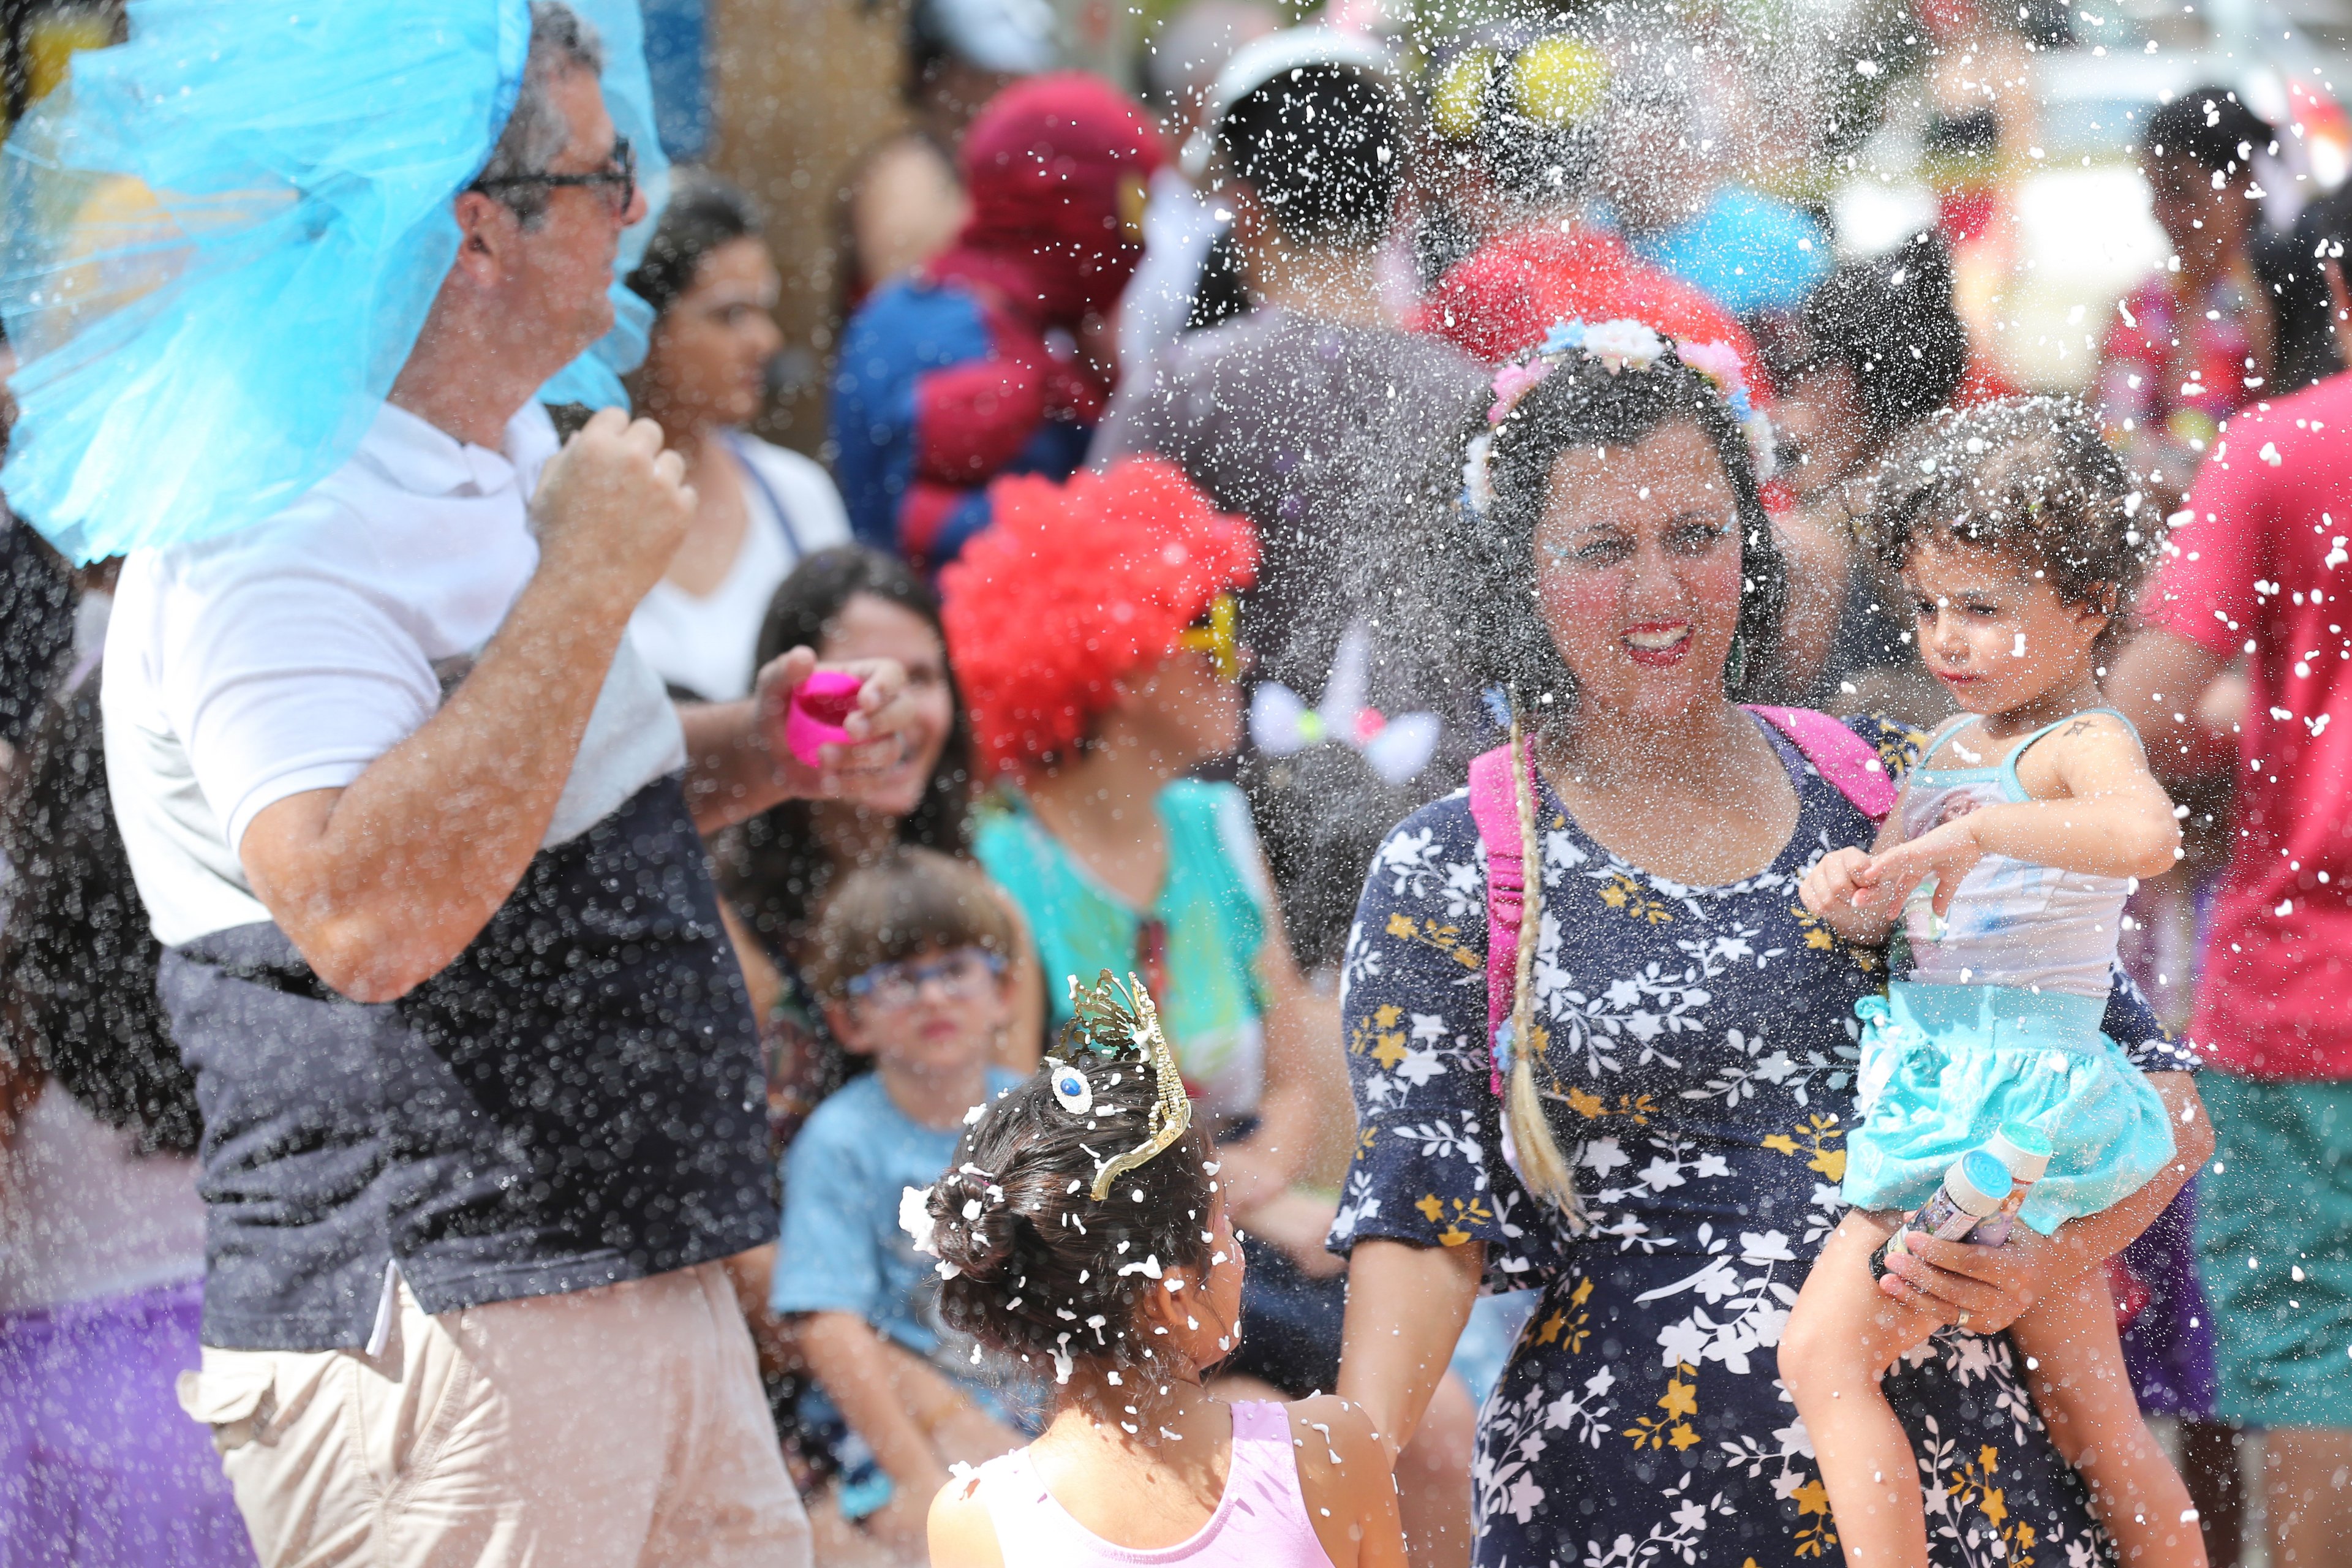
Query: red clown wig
x=1074 y=588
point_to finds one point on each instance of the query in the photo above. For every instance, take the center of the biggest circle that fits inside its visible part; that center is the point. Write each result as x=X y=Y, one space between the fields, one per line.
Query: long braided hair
x=1583 y=399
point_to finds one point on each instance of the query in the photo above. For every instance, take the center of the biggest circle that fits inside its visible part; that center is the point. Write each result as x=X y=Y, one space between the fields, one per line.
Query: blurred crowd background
x=841 y=121
x=1886 y=208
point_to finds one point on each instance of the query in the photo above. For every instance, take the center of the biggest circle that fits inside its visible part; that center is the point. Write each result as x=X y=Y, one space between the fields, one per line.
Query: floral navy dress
x=1706 y=1037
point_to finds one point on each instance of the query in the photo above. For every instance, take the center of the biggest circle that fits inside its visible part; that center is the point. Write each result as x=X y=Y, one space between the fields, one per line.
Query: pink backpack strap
x=1495 y=809
x=1847 y=761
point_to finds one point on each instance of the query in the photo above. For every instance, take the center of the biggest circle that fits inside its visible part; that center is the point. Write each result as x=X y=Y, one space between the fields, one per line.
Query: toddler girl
x=1081 y=1229
x=2005 y=866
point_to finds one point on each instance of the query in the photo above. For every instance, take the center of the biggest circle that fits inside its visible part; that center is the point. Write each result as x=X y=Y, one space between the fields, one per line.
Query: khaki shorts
x=622 y=1427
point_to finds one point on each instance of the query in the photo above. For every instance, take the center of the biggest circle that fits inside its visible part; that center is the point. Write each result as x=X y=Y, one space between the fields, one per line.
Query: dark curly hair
x=1582 y=404
x=2029 y=477
x=704 y=213
x=1041 y=1267
x=1891 y=322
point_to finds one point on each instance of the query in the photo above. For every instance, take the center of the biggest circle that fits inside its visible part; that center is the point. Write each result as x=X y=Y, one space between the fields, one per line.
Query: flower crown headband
x=1619 y=345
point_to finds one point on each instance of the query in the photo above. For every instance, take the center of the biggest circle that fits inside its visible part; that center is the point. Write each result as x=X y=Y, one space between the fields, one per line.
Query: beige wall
x=804 y=86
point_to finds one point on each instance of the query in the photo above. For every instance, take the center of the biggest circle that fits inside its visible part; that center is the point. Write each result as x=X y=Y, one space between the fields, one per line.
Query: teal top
x=2002 y=772
x=1197 y=946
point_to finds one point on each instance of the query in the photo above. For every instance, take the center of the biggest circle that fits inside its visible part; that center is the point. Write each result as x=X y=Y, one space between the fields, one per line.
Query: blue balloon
x=221 y=238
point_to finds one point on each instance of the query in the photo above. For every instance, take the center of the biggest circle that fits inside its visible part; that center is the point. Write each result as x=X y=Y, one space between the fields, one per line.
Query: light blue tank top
x=1197 y=946
x=2013 y=923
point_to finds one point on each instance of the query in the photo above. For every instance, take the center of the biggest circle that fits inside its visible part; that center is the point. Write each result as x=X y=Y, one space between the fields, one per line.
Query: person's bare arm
x=2158 y=682
x=1830 y=890
x=963 y=1534
x=761 y=978
x=1406 y=1309
x=1997 y=1285
x=1345 y=1476
x=934 y=1402
x=2114 y=820
x=751 y=1273
x=852 y=1363
x=381 y=883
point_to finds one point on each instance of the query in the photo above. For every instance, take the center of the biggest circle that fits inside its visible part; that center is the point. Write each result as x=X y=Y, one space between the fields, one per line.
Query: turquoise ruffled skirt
x=1944 y=1065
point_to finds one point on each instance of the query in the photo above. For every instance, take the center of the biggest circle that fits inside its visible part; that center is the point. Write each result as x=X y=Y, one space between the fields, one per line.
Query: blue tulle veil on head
x=219 y=240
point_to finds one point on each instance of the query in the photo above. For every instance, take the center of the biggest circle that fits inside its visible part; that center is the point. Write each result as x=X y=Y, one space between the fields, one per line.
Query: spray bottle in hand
x=2024 y=1150
x=1973 y=1190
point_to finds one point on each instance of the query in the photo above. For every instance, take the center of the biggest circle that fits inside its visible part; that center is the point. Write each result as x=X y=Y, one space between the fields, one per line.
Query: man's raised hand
x=611 y=510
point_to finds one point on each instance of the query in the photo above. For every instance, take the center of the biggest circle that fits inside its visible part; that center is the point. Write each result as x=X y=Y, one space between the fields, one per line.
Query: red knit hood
x=1056 y=167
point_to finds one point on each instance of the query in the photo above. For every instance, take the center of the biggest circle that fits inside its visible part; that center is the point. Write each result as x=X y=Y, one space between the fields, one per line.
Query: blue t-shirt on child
x=843 y=1250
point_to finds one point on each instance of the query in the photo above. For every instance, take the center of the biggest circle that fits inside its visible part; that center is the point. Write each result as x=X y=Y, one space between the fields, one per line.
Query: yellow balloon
x=1460 y=89
x=1558 y=81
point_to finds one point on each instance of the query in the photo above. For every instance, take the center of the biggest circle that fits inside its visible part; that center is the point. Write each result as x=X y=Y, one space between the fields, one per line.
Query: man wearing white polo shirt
x=421 y=835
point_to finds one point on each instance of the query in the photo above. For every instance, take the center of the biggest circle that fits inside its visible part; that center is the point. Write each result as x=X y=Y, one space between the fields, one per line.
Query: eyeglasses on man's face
x=619 y=178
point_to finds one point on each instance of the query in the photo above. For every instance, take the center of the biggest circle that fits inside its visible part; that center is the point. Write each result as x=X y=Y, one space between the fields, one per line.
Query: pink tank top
x=1260 y=1523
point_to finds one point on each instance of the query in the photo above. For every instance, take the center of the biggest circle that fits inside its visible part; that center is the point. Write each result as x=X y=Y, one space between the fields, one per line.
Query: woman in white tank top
x=759 y=508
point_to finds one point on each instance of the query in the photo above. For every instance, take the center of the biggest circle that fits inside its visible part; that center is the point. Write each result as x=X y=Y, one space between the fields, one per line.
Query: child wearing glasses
x=909 y=960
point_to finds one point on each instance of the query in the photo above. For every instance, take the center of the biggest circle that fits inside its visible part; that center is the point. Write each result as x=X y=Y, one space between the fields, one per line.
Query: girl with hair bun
x=1094 y=629
x=1083 y=1229
x=1644 y=1111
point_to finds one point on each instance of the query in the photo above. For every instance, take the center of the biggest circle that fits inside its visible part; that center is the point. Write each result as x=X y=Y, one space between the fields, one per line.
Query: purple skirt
x=2168 y=1328
x=99 y=1468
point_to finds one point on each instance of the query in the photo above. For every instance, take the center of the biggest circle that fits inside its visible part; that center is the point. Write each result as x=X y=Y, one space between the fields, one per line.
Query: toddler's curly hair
x=2030 y=476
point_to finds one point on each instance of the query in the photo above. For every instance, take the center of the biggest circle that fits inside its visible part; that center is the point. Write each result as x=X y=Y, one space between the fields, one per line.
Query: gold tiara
x=1110 y=1021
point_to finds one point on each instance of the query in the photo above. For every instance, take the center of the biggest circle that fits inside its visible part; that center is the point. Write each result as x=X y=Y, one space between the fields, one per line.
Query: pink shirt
x=1260 y=1523
x=2179 y=373
x=2262 y=570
